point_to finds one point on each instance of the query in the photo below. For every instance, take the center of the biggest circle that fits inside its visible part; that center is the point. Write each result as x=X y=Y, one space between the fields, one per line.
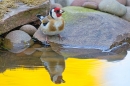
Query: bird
x=53 y=23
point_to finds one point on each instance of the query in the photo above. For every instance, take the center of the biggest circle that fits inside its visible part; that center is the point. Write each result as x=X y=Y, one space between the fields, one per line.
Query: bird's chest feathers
x=57 y=23
x=53 y=27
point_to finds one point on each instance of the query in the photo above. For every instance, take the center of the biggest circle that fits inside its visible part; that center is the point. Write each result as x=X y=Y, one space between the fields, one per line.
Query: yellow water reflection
x=78 y=72
x=84 y=72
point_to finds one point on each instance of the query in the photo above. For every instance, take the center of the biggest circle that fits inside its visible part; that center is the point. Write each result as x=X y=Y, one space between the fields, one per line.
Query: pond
x=48 y=68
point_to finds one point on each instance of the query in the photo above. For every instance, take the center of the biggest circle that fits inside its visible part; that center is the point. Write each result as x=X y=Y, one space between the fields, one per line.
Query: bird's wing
x=43 y=19
x=40 y=17
x=47 y=19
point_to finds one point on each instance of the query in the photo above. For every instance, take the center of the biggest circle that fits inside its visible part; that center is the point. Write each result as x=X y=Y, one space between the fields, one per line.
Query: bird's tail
x=40 y=17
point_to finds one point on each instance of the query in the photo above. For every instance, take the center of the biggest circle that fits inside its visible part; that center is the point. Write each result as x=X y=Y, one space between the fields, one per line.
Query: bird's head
x=56 y=12
x=57 y=79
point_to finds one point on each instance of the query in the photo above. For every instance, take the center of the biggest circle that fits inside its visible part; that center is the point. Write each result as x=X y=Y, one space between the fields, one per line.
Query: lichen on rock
x=73 y=10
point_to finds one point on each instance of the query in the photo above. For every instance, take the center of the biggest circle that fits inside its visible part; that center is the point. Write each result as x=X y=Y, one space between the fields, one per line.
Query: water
x=44 y=67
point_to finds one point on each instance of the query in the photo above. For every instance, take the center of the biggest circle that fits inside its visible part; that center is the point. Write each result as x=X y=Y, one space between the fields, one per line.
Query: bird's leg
x=46 y=43
x=60 y=38
x=46 y=39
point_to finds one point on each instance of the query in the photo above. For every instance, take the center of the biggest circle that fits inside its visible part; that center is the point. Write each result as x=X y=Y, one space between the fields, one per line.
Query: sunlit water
x=74 y=72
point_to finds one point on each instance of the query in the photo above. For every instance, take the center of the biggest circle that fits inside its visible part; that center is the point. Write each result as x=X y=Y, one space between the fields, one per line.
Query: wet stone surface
x=92 y=29
x=117 y=53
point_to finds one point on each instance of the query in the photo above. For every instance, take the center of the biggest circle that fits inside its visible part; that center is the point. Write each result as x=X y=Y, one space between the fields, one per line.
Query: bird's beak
x=62 y=11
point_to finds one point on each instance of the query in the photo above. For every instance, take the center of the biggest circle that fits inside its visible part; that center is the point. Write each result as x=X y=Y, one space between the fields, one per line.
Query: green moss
x=70 y=11
x=75 y=9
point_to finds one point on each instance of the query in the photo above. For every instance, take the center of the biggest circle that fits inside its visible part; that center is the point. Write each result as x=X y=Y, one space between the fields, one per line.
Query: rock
x=95 y=31
x=127 y=2
x=62 y=2
x=35 y=51
x=28 y=29
x=56 y=5
x=113 y=7
x=1 y=42
x=22 y=15
x=84 y=53
x=29 y=51
x=39 y=35
x=92 y=5
x=122 y=2
x=127 y=15
x=17 y=41
x=96 y=1
x=52 y=1
x=78 y=2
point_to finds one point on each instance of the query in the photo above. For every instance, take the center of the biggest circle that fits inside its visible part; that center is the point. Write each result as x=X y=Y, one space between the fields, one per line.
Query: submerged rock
x=90 y=29
x=17 y=41
x=90 y=53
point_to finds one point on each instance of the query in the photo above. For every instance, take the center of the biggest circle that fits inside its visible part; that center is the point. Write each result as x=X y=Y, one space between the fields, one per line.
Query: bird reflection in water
x=55 y=65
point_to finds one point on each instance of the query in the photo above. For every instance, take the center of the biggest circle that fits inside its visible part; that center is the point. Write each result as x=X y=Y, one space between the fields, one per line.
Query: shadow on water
x=53 y=59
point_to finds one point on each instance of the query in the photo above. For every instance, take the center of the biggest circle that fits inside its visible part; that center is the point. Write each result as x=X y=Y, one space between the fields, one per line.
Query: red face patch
x=57 y=11
x=58 y=14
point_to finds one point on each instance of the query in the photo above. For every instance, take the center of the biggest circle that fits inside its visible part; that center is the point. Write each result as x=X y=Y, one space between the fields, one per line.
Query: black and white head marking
x=52 y=14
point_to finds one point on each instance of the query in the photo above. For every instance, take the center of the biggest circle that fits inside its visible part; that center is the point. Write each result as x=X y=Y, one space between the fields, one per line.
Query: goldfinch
x=53 y=24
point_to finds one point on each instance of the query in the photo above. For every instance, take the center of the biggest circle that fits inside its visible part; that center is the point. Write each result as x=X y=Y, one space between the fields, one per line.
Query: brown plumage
x=52 y=24
x=62 y=26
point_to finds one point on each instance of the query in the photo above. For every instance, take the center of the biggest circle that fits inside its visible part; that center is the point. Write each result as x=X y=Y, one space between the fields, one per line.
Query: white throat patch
x=53 y=14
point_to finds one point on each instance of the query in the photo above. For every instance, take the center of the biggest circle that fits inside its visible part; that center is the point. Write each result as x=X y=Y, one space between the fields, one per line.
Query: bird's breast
x=59 y=25
x=53 y=27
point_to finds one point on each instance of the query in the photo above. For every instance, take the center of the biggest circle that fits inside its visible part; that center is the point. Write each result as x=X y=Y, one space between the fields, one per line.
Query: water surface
x=48 y=68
